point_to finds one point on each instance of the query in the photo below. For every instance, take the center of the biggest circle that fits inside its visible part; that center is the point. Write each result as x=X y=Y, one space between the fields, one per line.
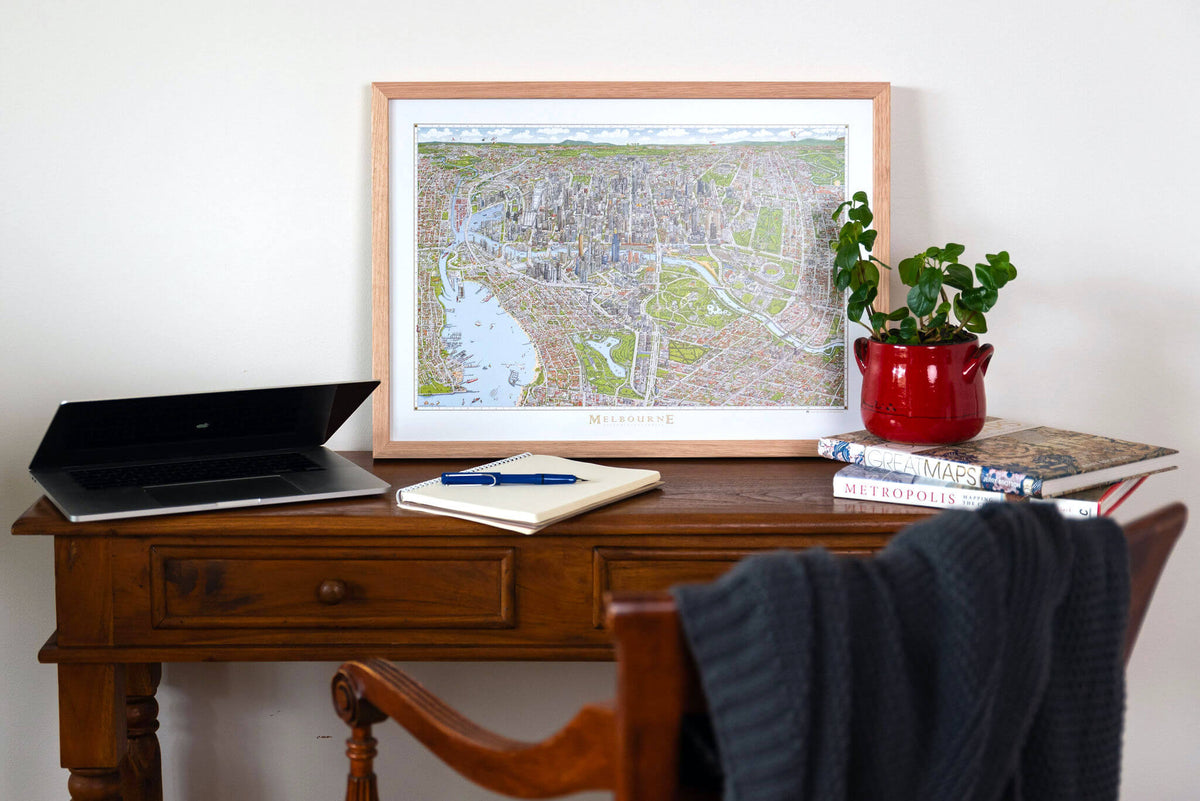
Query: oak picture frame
x=401 y=429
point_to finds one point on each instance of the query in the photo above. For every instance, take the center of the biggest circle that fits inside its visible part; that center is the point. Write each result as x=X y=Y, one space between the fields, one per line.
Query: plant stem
x=962 y=325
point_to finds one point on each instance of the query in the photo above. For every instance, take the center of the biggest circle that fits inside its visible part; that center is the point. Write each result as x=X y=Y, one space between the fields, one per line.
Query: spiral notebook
x=528 y=508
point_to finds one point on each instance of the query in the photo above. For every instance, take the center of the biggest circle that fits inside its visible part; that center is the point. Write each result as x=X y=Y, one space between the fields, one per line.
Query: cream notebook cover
x=529 y=507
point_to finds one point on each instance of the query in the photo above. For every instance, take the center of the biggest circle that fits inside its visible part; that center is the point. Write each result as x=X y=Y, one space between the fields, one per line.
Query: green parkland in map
x=625 y=266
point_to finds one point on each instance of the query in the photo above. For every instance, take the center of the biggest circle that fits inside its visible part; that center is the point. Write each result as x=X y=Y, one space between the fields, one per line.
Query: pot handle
x=977 y=361
x=860 y=354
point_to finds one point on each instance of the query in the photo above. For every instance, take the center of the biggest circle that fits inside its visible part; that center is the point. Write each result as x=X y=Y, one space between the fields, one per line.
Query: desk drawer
x=654 y=569
x=228 y=587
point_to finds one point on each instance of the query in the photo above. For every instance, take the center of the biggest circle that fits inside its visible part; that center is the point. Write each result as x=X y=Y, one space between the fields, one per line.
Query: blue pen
x=492 y=479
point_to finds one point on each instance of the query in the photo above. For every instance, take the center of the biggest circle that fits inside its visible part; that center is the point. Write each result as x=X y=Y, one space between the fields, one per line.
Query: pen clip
x=482 y=479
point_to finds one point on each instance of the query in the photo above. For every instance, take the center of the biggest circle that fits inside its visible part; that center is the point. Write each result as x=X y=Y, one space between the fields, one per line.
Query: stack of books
x=1082 y=474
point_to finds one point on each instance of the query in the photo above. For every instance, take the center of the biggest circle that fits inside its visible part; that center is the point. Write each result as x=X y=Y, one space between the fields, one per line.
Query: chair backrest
x=1150 y=539
x=657 y=683
x=632 y=746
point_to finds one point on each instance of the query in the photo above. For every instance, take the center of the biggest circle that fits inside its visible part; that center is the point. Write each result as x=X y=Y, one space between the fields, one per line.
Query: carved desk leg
x=91 y=729
x=141 y=772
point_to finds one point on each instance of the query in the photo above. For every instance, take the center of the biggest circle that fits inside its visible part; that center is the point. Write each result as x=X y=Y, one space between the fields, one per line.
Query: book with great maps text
x=1009 y=457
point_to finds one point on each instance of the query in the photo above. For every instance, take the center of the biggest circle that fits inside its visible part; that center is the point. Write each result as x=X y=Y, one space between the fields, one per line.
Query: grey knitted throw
x=978 y=656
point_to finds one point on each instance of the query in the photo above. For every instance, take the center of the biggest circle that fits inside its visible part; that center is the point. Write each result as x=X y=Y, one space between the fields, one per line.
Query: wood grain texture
x=93 y=784
x=383 y=443
x=239 y=587
x=600 y=90
x=141 y=771
x=91 y=715
x=1151 y=540
x=656 y=685
x=666 y=448
x=700 y=497
x=83 y=581
x=578 y=757
x=881 y=202
x=361 y=784
x=381 y=359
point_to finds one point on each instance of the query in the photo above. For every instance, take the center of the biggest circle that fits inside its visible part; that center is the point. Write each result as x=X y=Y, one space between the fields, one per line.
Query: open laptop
x=134 y=457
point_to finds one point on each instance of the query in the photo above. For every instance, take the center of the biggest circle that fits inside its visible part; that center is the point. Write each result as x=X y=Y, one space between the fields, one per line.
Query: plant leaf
x=984 y=273
x=923 y=297
x=1002 y=269
x=952 y=251
x=931 y=281
x=910 y=269
x=870 y=273
x=959 y=276
x=979 y=299
x=847 y=254
x=862 y=296
x=861 y=214
x=898 y=314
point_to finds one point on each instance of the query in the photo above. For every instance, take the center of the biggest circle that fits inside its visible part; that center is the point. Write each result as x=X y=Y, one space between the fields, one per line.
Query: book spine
x=1117 y=493
x=902 y=461
x=865 y=489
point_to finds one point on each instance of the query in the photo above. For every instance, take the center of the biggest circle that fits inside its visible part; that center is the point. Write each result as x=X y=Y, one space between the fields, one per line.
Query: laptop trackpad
x=237 y=489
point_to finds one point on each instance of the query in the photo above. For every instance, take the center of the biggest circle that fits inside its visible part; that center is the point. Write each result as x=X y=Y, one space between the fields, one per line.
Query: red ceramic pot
x=927 y=394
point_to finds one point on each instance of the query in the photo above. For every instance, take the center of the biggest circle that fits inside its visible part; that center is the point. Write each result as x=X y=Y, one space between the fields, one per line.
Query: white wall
x=184 y=205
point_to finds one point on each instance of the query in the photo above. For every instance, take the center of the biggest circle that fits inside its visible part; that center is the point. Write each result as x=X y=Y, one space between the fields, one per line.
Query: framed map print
x=616 y=269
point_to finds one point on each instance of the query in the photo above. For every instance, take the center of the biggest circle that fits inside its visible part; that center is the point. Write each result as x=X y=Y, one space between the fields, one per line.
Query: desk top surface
x=764 y=496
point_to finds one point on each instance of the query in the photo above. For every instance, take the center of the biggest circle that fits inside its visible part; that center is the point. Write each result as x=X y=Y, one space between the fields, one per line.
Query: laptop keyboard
x=183 y=472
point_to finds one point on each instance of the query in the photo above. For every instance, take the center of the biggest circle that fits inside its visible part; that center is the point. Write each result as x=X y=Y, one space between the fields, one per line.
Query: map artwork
x=628 y=266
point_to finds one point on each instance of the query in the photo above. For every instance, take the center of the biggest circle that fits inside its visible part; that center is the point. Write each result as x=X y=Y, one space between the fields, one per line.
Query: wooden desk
x=347 y=579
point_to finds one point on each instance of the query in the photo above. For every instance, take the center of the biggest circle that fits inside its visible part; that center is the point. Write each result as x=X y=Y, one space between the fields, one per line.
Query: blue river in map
x=500 y=358
x=605 y=347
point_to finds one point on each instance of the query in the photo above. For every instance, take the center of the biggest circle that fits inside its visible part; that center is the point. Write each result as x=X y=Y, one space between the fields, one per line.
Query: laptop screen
x=203 y=424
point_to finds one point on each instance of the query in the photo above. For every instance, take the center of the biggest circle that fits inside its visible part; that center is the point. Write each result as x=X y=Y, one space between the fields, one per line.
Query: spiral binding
x=480 y=469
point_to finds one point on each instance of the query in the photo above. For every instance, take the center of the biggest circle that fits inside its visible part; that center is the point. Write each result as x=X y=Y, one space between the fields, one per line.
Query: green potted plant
x=922 y=364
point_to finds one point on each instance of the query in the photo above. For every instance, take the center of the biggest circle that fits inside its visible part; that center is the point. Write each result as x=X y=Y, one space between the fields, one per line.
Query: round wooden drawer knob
x=331 y=591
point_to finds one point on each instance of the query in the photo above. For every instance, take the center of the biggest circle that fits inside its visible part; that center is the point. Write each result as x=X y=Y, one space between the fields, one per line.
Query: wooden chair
x=631 y=745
